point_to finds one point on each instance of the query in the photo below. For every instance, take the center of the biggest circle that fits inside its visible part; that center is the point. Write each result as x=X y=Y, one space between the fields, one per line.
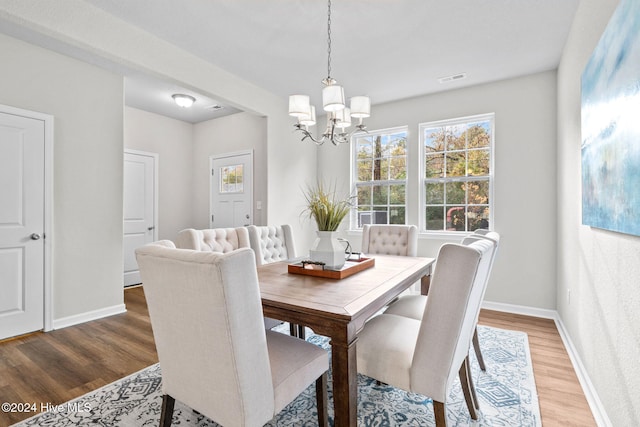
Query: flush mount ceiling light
x=338 y=114
x=184 y=101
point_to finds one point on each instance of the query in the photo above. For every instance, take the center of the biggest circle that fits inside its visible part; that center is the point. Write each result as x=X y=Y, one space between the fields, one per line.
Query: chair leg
x=476 y=347
x=167 y=410
x=466 y=390
x=296 y=331
x=322 y=400
x=438 y=409
x=467 y=364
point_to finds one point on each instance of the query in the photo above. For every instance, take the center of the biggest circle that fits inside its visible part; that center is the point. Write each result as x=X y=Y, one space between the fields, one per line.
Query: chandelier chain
x=329 y=41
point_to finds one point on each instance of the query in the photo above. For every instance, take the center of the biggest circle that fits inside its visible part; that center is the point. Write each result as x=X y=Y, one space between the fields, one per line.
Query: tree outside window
x=380 y=174
x=457 y=173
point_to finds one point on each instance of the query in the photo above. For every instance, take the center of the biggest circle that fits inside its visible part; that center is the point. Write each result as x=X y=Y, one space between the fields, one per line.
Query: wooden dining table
x=338 y=309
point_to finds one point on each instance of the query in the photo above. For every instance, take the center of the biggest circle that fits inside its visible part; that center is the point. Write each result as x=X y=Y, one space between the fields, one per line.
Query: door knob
x=150 y=228
x=35 y=236
x=247 y=216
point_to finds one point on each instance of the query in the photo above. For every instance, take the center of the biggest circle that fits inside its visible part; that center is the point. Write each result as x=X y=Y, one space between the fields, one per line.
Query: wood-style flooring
x=57 y=366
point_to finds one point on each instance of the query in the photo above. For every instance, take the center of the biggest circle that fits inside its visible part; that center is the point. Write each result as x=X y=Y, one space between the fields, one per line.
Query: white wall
x=184 y=150
x=87 y=105
x=172 y=140
x=599 y=268
x=525 y=176
x=237 y=132
x=77 y=25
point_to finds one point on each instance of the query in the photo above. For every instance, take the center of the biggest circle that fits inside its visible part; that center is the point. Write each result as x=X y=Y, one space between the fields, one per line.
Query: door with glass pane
x=231 y=190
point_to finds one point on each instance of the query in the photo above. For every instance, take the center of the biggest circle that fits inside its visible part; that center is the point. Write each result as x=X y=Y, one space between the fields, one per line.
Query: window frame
x=490 y=117
x=353 y=216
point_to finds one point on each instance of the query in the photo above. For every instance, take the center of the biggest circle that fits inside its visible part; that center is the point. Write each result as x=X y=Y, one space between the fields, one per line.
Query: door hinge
x=211 y=218
x=211 y=172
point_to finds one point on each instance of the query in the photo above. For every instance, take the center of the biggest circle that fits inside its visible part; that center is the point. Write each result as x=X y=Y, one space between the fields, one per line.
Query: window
x=380 y=174
x=231 y=179
x=457 y=162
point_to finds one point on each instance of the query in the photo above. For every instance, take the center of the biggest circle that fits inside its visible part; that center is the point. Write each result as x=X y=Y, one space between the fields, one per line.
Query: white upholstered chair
x=412 y=306
x=213 y=240
x=425 y=356
x=220 y=240
x=390 y=239
x=216 y=357
x=271 y=243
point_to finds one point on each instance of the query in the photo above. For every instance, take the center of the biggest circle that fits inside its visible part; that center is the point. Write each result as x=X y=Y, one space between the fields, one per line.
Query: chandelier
x=338 y=114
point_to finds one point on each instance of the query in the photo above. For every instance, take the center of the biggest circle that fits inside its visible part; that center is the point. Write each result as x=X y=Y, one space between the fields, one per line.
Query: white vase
x=328 y=249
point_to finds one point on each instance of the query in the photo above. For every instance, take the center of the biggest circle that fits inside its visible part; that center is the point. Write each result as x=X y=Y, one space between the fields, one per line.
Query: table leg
x=425 y=282
x=345 y=383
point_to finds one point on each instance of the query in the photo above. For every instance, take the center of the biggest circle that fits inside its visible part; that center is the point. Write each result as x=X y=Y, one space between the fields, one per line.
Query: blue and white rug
x=507 y=394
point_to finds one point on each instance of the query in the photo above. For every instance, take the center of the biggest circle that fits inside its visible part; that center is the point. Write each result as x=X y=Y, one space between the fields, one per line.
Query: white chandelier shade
x=360 y=107
x=308 y=119
x=299 y=105
x=333 y=98
x=343 y=118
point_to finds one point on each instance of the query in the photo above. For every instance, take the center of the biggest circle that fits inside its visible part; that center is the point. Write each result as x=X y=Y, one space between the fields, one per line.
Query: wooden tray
x=349 y=268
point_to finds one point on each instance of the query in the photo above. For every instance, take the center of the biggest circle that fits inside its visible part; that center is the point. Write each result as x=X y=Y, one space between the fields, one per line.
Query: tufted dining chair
x=390 y=239
x=213 y=240
x=425 y=356
x=214 y=353
x=412 y=306
x=271 y=243
x=221 y=240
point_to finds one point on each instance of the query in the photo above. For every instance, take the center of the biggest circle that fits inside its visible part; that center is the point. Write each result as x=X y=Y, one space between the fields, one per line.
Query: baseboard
x=88 y=316
x=595 y=404
x=597 y=408
x=520 y=309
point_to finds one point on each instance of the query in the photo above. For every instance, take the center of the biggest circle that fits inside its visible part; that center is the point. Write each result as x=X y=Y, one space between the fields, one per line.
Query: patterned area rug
x=507 y=394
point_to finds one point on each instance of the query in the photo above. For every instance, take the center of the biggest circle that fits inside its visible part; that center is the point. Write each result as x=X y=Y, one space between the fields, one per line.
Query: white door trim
x=156 y=159
x=48 y=206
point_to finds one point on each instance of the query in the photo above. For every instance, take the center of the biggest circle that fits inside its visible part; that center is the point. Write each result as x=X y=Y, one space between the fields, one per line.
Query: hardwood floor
x=57 y=366
x=562 y=401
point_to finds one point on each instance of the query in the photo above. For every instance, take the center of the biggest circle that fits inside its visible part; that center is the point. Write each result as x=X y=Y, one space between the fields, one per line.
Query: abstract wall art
x=611 y=126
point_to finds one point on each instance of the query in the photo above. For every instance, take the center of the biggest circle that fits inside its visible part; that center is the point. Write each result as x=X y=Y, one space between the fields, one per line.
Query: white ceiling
x=150 y=94
x=386 y=49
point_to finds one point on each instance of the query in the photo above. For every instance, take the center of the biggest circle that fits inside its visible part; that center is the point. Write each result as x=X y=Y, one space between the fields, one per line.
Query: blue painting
x=611 y=126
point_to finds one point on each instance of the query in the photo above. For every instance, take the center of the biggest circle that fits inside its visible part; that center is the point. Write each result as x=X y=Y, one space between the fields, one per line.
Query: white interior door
x=231 y=190
x=139 y=209
x=22 y=181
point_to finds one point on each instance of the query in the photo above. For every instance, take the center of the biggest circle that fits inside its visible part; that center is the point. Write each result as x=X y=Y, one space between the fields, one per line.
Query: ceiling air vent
x=452 y=78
